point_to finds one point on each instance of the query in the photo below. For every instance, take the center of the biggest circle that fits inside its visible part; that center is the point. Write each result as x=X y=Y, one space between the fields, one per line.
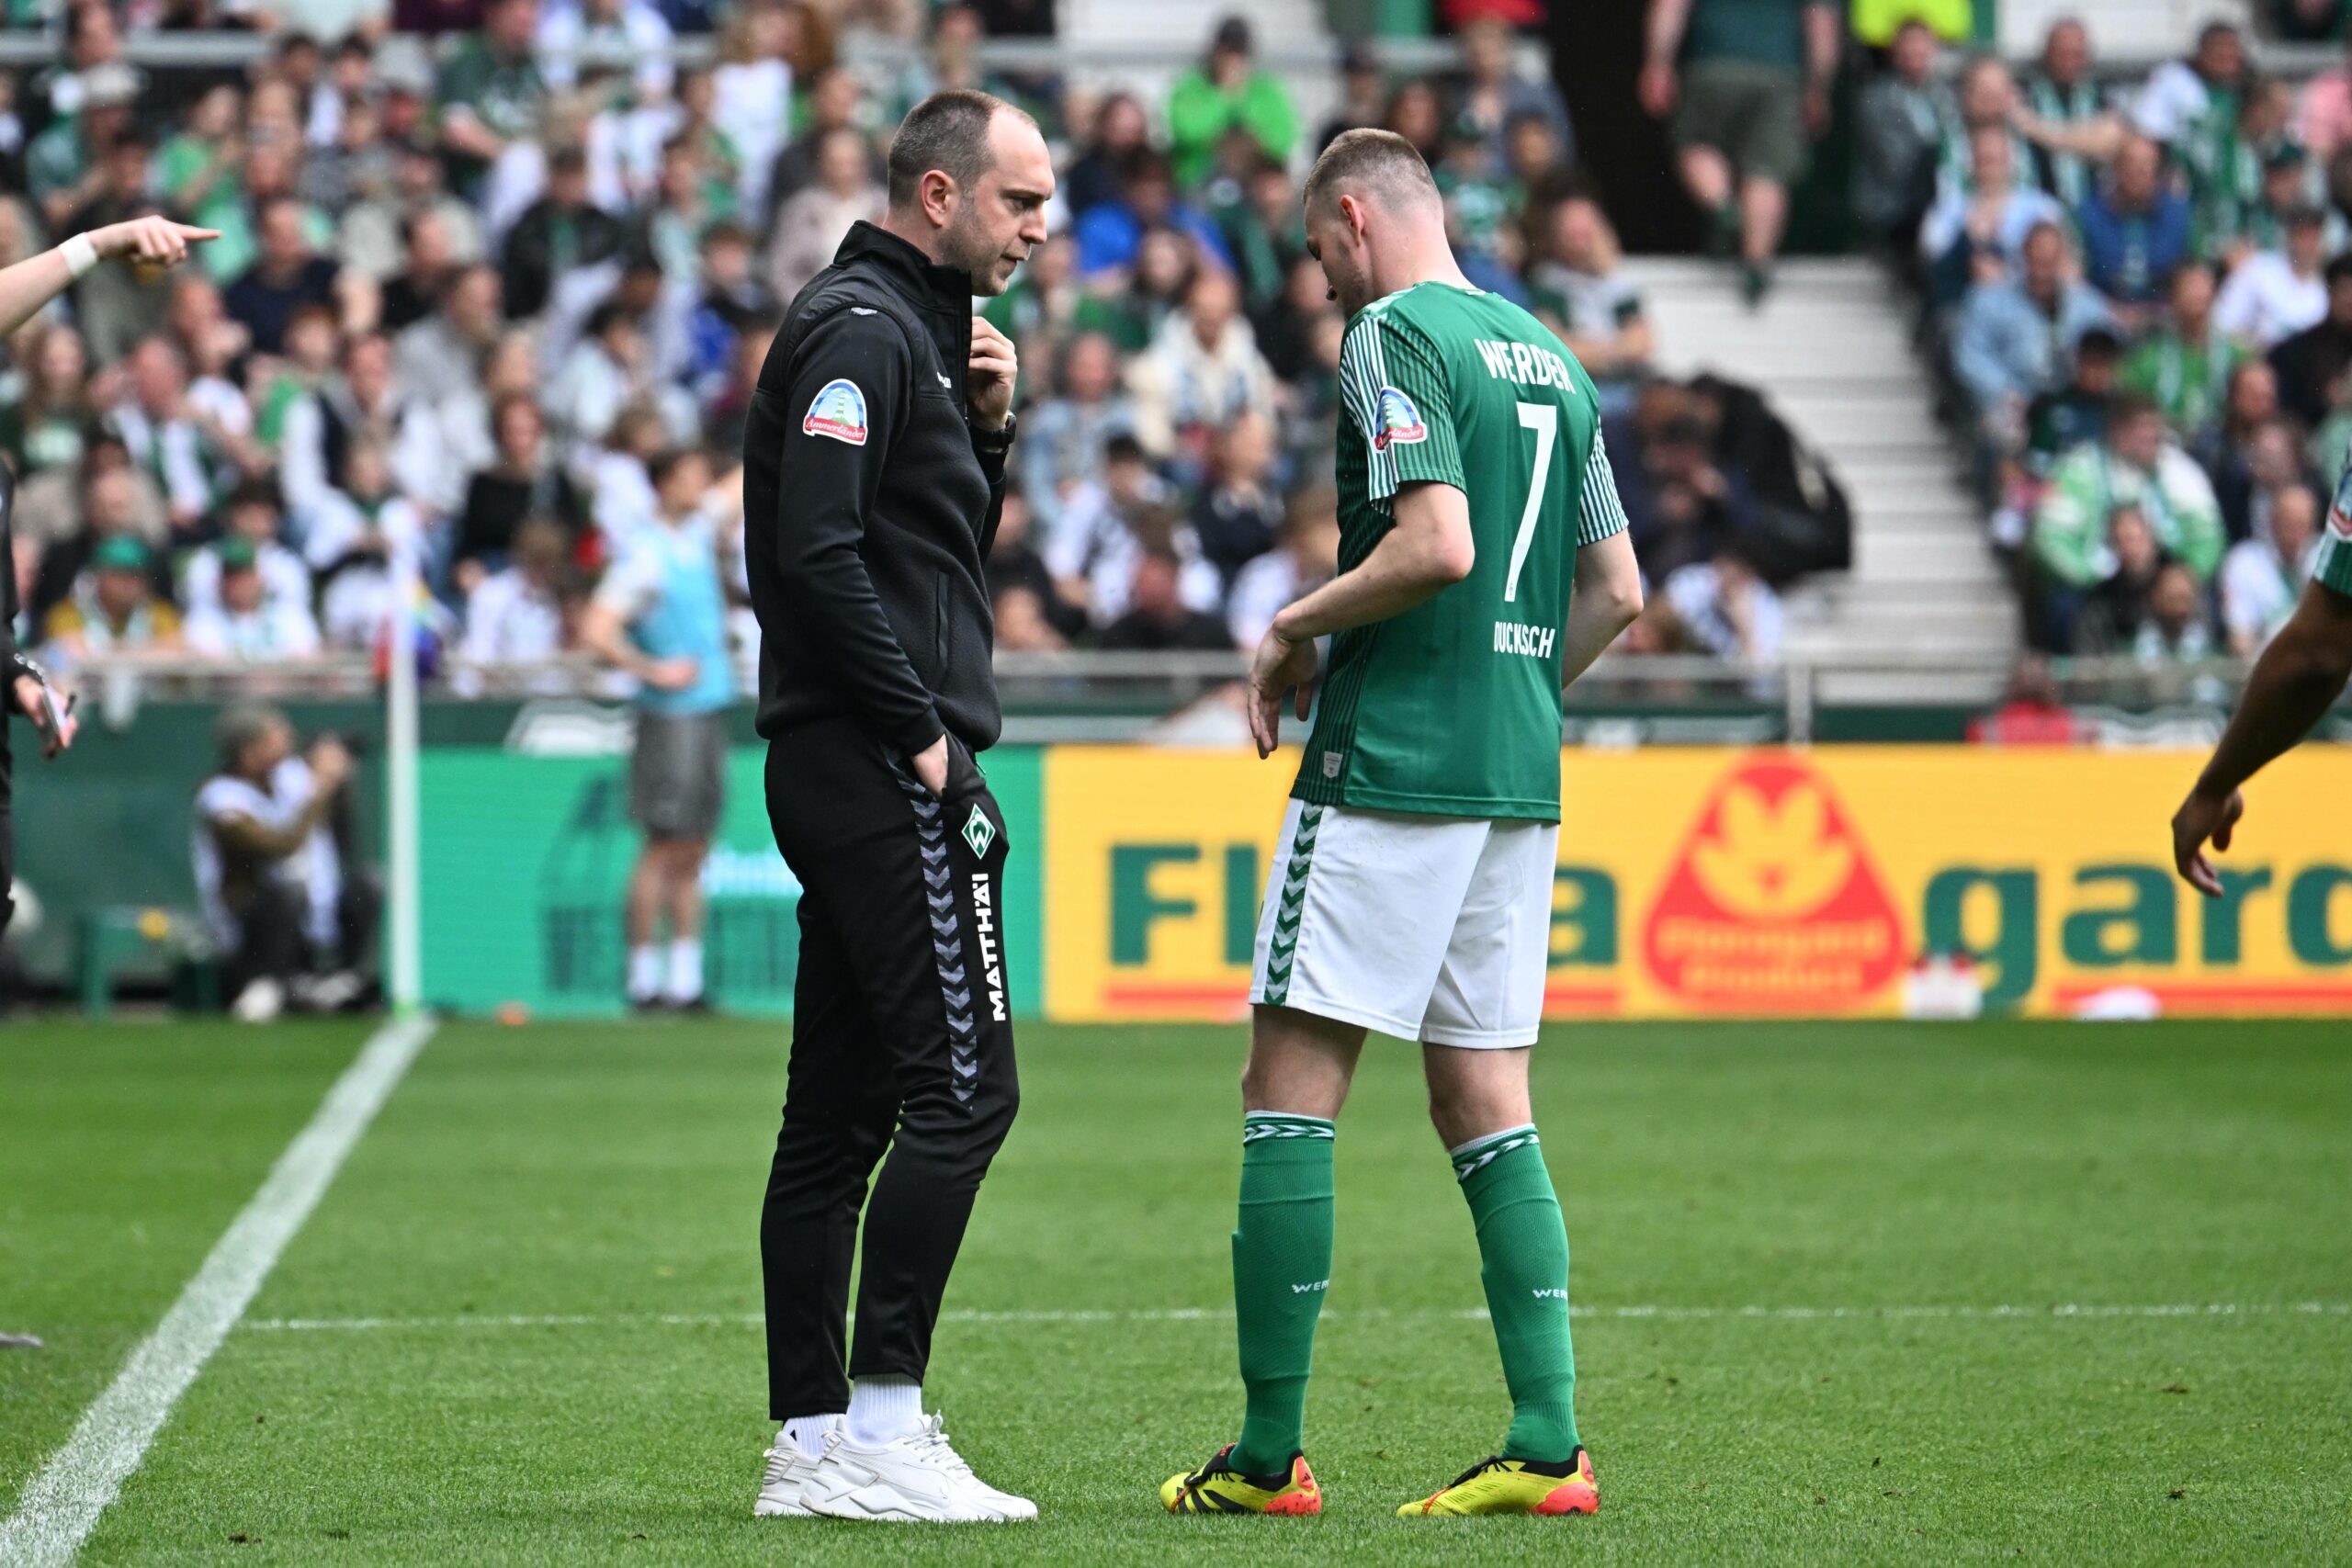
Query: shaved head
x=947 y=132
x=1374 y=221
x=1376 y=166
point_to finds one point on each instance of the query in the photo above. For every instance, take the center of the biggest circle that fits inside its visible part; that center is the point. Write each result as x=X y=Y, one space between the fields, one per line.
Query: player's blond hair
x=1379 y=166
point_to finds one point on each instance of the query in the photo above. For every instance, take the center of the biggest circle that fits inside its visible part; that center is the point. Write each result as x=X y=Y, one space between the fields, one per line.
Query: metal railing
x=1073 y=696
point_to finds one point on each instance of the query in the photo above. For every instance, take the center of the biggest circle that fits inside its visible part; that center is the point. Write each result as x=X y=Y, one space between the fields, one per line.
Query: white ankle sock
x=807 y=1433
x=644 y=973
x=882 y=1408
x=685 y=969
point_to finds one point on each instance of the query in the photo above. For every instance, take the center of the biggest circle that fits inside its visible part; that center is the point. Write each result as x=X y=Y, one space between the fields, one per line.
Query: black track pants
x=901 y=1039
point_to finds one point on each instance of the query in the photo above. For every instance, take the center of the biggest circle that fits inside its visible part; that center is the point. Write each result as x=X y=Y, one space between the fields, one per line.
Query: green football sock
x=1282 y=1266
x=1525 y=1249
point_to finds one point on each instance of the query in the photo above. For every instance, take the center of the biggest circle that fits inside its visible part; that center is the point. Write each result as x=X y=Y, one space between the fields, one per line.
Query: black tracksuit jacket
x=867 y=510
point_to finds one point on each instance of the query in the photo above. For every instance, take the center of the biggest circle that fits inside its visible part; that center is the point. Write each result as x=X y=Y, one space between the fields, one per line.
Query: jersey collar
x=927 y=281
x=1472 y=290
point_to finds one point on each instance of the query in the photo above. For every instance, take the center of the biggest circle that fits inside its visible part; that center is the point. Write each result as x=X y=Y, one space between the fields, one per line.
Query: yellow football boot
x=1217 y=1488
x=1515 y=1486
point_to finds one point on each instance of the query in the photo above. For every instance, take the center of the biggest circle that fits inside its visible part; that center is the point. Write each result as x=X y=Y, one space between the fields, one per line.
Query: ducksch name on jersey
x=1535 y=642
x=1522 y=362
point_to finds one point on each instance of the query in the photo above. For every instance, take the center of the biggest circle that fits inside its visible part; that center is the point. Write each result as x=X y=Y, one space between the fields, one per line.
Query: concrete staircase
x=1831 y=349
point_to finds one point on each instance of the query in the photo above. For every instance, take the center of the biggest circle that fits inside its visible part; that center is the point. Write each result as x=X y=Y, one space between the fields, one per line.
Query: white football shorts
x=1427 y=928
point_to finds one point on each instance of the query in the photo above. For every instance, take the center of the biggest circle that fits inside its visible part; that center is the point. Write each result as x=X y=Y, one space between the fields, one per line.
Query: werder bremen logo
x=980 y=832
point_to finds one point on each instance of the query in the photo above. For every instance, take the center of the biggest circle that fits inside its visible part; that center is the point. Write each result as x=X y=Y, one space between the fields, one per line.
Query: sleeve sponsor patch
x=837 y=413
x=1398 y=421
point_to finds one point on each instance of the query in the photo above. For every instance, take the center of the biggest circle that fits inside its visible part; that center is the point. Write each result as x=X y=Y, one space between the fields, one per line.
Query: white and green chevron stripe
x=1479 y=1153
x=1290 y=906
x=1256 y=1126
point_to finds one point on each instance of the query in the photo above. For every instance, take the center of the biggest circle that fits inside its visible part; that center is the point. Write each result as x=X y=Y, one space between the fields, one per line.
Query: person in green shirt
x=1746 y=84
x=2184 y=367
x=1484 y=565
x=1257 y=214
x=490 y=92
x=1479 y=200
x=61 y=164
x=2229 y=174
x=199 y=170
x=2137 y=467
x=1224 y=92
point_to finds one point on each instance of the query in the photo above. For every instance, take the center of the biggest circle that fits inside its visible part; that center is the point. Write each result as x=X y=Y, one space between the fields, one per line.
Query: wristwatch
x=995 y=442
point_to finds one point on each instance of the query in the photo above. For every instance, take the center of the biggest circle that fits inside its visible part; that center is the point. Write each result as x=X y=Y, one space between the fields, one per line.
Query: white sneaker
x=918 y=1478
x=337 y=990
x=789 y=1474
x=259 y=1002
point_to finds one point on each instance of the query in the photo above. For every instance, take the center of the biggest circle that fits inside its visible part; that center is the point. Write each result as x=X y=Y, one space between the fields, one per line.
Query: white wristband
x=80 y=256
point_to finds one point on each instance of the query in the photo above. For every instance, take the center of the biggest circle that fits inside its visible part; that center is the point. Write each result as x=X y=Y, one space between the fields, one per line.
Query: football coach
x=874 y=472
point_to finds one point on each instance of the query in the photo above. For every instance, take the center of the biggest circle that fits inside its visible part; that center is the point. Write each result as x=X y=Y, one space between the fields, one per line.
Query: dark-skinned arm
x=2294 y=683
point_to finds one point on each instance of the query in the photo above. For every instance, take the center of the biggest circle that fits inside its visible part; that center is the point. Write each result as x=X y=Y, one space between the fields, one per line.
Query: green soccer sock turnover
x=1524 y=1246
x=1281 y=1269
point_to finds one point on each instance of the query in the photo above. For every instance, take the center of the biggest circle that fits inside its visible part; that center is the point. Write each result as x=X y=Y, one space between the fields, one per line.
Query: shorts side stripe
x=1290 y=906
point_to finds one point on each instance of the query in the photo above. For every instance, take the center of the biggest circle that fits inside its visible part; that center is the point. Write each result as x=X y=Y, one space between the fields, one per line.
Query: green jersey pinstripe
x=1452 y=708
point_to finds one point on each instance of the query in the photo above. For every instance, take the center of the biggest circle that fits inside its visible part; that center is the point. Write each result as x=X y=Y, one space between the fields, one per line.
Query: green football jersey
x=1452 y=708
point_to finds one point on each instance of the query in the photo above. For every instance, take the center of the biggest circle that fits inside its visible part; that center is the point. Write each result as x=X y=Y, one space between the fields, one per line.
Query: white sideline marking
x=62 y=1504
x=1217 y=1314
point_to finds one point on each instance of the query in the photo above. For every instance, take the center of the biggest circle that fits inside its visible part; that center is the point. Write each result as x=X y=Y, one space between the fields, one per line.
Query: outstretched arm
x=2294 y=683
x=149 y=241
x=2097 y=139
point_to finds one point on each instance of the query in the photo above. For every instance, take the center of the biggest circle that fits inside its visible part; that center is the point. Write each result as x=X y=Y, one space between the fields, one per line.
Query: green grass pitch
x=520 y=1326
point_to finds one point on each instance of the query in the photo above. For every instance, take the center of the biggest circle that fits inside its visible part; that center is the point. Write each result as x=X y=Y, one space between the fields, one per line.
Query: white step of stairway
x=1908 y=527
x=1879 y=416
x=1929 y=555
x=1831 y=350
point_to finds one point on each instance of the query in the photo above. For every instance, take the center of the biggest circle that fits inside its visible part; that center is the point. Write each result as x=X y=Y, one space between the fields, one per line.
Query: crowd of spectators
x=477 y=273
x=480 y=269
x=2141 y=293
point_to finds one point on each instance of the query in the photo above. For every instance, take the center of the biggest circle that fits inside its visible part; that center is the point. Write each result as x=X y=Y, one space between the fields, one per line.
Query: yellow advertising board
x=1725 y=882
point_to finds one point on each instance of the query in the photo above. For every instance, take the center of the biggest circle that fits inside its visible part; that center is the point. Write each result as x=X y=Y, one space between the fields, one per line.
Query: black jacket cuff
x=916 y=734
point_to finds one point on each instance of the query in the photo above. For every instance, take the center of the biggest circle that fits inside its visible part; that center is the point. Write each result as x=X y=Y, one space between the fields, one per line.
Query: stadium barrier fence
x=1745 y=879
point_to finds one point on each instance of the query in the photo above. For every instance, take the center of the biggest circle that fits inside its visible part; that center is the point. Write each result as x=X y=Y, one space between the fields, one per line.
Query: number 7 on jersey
x=1544 y=420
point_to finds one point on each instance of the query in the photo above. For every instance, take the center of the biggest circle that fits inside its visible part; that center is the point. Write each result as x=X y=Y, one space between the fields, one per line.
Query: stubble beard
x=1348 y=289
x=970 y=252
x=1351 y=294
